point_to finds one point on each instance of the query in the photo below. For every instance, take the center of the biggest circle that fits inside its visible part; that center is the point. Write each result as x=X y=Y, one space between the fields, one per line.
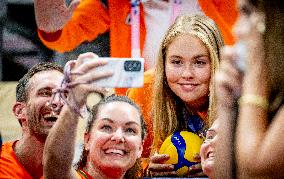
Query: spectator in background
x=184 y=93
x=63 y=28
x=112 y=148
x=259 y=137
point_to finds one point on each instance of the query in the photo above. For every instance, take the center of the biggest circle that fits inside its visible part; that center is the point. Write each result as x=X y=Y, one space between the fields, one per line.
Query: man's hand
x=52 y=15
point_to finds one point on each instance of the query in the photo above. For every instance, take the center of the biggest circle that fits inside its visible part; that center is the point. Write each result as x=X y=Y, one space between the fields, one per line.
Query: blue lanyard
x=194 y=123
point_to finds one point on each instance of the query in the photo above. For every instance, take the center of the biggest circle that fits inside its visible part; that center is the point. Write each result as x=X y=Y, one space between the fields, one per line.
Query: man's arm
x=64 y=28
x=52 y=15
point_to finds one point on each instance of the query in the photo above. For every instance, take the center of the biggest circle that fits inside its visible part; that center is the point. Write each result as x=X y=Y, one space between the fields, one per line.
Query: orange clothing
x=143 y=97
x=91 y=18
x=10 y=167
x=222 y=12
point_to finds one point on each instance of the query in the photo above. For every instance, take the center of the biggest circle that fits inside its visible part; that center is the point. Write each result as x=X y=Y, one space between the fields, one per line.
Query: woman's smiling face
x=115 y=141
x=188 y=69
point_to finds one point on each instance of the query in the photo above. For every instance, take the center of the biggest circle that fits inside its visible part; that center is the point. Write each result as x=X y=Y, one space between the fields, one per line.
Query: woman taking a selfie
x=112 y=144
x=113 y=138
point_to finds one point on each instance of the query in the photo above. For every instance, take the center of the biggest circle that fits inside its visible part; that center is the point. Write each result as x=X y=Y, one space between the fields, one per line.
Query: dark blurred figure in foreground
x=259 y=148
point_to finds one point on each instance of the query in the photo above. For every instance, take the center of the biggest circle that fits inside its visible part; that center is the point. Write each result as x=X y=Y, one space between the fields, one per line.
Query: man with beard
x=40 y=100
x=23 y=158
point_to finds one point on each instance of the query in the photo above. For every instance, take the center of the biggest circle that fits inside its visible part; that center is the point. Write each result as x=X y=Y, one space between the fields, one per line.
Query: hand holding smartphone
x=127 y=73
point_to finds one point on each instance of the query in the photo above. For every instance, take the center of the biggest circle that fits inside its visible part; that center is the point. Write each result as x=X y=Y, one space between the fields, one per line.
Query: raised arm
x=63 y=28
x=259 y=138
x=60 y=143
x=259 y=146
x=52 y=15
x=228 y=87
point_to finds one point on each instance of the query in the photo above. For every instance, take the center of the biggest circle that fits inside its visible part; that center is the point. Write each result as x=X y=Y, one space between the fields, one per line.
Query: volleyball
x=181 y=146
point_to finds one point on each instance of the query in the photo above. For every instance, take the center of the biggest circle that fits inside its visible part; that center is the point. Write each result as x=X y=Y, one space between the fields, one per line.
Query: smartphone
x=127 y=73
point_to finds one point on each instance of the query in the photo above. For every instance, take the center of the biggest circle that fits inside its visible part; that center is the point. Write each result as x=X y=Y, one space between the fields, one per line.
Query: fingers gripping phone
x=127 y=73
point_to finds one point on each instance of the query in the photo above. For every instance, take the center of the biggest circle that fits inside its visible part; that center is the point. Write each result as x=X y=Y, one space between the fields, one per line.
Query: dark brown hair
x=22 y=87
x=134 y=172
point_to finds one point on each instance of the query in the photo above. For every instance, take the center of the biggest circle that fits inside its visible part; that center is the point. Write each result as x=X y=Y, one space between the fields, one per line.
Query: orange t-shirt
x=10 y=167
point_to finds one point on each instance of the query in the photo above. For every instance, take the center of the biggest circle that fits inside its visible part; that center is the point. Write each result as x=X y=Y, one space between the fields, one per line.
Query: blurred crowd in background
x=21 y=47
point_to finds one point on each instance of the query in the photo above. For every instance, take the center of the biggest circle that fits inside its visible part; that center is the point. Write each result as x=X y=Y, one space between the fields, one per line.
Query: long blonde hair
x=165 y=102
